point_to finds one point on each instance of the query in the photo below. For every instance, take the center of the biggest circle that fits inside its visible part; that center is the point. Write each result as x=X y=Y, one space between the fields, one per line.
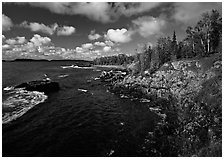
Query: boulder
x=113 y=75
x=45 y=86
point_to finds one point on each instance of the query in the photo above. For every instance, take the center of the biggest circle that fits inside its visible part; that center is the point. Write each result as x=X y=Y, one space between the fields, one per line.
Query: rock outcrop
x=113 y=75
x=189 y=93
x=46 y=86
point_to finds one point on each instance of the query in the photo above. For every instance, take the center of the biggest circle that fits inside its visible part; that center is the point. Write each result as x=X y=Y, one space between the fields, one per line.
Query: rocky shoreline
x=46 y=86
x=187 y=97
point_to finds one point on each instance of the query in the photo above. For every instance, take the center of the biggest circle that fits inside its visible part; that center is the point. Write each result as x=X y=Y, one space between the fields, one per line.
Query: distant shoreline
x=110 y=66
x=41 y=60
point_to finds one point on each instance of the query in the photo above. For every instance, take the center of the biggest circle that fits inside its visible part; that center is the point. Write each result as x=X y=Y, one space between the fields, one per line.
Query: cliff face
x=191 y=92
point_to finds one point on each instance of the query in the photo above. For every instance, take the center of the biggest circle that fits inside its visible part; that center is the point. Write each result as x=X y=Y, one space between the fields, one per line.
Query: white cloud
x=37 y=40
x=106 y=48
x=36 y=48
x=191 y=12
x=5 y=46
x=11 y=41
x=89 y=51
x=97 y=52
x=119 y=35
x=98 y=11
x=52 y=29
x=97 y=43
x=29 y=45
x=93 y=35
x=3 y=36
x=148 y=25
x=6 y=23
x=92 y=10
x=21 y=40
x=36 y=27
x=129 y=9
x=65 y=30
x=17 y=40
x=109 y=43
x=79 y=49
x=87 y=46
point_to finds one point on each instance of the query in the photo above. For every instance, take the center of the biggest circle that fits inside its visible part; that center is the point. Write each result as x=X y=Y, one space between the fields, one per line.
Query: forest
x=202 y=40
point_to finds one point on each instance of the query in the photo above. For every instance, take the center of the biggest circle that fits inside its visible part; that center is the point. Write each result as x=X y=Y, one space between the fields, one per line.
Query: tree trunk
x=193 y=47
x=202 y=43
x=208 y=41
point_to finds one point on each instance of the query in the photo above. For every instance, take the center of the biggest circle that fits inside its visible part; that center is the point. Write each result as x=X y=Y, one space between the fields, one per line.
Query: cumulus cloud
x=52 y=29
x=148 y=25
x=79 y=49
x=17 y=40
x=6 y=23
x=90 y=51
x=191 y=12
x=65 y=30
x=97 y=43
x=19 y=47
x=5 y=46
x=119 y=35
x=37 y=40
x=87 y=46
x=39 y=47
x=109 y=43
x=11 y=41
x=21 y=40
x=37 y=27
x=3 y=38
x=106 y=48
x=36 y=48
x=93 y=35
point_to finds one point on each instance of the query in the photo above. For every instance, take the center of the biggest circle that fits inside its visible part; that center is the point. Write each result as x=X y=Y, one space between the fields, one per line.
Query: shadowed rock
x=45 y=86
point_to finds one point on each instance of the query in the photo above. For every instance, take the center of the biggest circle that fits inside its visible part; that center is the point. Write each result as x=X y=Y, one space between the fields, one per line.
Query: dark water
x=72 y=122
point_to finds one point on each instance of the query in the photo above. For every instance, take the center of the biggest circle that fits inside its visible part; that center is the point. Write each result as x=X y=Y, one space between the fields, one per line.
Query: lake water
x=72 y=121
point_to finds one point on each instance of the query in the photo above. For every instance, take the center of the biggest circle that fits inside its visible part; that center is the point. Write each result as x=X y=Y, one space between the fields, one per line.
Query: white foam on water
x=8 y=88
x=72 y=66
x=111 y=152
x=75 y=66
x=63 y=76
x=19 y=102
x=143 y=100
x=82 y=90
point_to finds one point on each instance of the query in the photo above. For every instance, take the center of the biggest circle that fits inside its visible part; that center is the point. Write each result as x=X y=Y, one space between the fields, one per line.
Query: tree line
x=120 y=59
x=203 y=39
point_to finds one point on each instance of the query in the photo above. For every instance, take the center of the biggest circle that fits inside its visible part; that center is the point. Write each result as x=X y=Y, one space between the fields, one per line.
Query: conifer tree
x=174 y=47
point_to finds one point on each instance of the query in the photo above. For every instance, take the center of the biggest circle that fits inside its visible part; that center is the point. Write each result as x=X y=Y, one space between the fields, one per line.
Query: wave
x=75 y=66
x=8 y=88
x=19 y=102
x=63 y=76
x=82 y=90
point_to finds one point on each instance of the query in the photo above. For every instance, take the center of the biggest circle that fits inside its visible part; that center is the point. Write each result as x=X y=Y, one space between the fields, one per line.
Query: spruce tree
x=174 y=47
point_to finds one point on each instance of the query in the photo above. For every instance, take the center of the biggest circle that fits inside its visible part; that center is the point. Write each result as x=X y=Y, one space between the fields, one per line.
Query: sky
x=87 y=30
